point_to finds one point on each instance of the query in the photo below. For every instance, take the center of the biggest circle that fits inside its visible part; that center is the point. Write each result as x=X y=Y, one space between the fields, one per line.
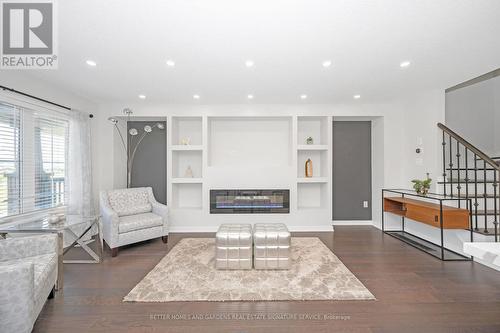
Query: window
x=33 y=159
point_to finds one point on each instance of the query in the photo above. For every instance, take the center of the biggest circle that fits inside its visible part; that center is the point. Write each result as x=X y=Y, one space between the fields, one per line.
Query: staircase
x=471 y=174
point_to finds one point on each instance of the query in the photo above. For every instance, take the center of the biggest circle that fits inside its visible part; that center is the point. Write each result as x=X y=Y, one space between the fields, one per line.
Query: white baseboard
x=189 y=229
x=353 y=222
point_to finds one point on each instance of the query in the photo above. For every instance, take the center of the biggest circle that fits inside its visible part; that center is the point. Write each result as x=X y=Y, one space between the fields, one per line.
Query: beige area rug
x=187 y=273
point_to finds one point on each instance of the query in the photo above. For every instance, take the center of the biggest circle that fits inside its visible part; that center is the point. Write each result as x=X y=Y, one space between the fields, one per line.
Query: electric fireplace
x=249 y=201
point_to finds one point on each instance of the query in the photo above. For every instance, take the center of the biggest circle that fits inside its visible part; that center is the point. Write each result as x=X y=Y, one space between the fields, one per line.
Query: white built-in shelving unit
x=245 y=152
x=185 y=192
x=313 y=192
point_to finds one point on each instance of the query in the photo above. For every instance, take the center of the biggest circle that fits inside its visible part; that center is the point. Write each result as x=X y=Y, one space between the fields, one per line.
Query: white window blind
x=51 y=135
x=10 y=160
x=33 y=159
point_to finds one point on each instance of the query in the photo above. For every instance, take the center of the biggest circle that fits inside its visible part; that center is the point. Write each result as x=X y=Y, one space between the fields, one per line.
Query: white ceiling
x=447 y=42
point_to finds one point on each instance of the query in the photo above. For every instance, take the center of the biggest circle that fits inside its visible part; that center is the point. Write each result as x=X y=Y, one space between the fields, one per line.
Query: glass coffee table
x=73 y=230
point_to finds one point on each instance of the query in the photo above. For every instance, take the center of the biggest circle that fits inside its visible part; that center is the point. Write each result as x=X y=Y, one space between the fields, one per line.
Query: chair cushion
x=138 y=222
x=43 y=265
x=129 y=201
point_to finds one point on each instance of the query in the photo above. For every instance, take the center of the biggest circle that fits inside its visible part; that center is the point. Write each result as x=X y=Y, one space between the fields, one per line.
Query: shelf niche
x=181 y=159
x=187 y=128
x=319 y=161
x=187 y=196
x=315 y=127
x=311 y=195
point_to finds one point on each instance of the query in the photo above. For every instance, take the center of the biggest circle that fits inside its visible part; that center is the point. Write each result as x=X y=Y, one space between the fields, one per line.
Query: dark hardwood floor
x=415 y=293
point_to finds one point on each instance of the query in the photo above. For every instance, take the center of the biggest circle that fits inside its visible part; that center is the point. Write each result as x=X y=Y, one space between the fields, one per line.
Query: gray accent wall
x=150 y=163
x=352 y=170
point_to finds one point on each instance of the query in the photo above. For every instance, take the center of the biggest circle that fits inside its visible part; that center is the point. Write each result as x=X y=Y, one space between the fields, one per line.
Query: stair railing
x=482 y=162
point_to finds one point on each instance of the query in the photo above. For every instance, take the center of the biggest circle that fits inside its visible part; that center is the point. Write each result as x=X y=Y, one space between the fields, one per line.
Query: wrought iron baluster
x=495 y=198
x=443 y=143
x=476 y=204
x=467 y=180
x=451 y=167
x=458 y=174
x=485 y=196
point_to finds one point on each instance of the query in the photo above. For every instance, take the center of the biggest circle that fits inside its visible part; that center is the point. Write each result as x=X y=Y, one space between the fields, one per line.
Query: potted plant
x=422 y=186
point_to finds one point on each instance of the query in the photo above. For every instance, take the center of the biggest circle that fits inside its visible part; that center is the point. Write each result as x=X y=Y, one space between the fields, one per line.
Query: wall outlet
x=365 y=204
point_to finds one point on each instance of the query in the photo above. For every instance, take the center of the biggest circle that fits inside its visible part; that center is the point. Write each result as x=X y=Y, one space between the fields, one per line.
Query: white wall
x=474 y=113
x=497 y=116
x=398 y=125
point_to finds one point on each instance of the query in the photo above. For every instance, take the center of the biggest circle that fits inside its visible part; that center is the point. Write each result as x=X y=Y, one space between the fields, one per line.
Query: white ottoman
x=233 y=246
x=271 y=246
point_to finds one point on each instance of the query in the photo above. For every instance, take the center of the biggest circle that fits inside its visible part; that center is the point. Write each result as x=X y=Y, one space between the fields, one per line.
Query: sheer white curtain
x=79 y=182
x=79 y=173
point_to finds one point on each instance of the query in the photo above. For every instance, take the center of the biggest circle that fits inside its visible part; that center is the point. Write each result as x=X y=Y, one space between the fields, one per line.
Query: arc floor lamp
x=134 y=140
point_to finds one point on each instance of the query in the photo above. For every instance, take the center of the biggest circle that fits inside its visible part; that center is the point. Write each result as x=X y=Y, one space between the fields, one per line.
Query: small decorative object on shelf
x=309 y=168
x=309 y=140
x=185 y=141
x=189 y=172
x=422 y=186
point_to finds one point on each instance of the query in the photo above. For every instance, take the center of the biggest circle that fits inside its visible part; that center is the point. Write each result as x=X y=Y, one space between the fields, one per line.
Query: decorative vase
x=185 y=141
x=310 y=140
x=309 y=168
x=189 y=172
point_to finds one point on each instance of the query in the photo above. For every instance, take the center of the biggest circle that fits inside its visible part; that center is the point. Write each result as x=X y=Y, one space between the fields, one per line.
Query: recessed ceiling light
x=196 y=96
x=142 y=96
x=249 y=63
x=356 y=96
x=327 y=63
x=170 y=63
x=404 y=64
x=304 y=96
x=91 y=63
x=250 y=96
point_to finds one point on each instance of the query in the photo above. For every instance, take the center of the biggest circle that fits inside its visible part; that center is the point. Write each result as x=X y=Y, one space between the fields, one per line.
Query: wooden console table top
x=427 y=212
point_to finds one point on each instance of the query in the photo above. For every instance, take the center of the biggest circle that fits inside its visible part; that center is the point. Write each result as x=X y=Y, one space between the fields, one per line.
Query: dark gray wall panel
x=352 y=170
x=150 y=163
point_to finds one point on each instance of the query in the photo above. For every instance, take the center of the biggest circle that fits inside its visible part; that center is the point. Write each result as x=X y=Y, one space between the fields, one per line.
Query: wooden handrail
x=469 y=146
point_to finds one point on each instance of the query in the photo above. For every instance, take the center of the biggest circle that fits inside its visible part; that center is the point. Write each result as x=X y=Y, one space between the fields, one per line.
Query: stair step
x=490 y=231
x=492 y=157
x=489 y=212
x=470 y=169
x=471 y=181
x=472 y=196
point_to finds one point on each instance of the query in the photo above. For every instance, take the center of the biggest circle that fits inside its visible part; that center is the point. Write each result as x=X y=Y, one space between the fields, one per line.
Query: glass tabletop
x=43 y=224
x=430 y=195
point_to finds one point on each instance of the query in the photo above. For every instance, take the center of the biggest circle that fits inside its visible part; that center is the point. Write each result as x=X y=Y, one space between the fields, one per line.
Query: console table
x=430 y=210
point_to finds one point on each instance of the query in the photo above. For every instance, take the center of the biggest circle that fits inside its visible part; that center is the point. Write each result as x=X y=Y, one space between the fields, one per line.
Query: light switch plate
x=365 y=204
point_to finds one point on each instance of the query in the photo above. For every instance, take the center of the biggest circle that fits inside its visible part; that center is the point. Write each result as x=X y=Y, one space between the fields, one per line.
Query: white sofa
x=132 y=215
x=28 y=274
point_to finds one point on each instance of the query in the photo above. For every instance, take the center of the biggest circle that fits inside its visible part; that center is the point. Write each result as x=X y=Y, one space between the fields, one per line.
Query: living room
x=249 y=166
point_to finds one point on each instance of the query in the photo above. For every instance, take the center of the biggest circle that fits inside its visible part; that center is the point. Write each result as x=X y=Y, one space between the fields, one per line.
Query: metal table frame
x=418 y=242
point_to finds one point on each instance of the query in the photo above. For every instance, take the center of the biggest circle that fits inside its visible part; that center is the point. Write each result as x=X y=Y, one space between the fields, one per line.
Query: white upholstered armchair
x=28 y=274
x=132 y=215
